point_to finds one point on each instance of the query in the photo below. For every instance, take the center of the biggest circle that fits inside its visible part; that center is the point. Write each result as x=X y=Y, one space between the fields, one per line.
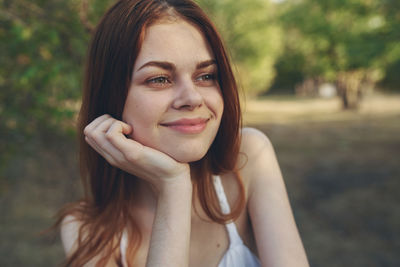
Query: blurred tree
x=347 y=42
x=253 y=37
x=390 y=10
x=43 y=48
x=43 y=45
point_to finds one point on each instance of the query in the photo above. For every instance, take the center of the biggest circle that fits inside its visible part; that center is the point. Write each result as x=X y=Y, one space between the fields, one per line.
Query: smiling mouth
x=187 y=126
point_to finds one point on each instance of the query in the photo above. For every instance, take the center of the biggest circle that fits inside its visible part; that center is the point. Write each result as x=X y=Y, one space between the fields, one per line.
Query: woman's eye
x=206 y=79
x=160 y=81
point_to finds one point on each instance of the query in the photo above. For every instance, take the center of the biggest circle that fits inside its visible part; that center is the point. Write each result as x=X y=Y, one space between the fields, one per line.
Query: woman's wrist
x=170 y=238
x=180 y=185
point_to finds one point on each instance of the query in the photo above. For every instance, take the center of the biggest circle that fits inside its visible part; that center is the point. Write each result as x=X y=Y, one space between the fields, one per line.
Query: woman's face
x=174 y=102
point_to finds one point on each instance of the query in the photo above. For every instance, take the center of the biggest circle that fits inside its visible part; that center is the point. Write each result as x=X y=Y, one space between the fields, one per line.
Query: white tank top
x=237 y=255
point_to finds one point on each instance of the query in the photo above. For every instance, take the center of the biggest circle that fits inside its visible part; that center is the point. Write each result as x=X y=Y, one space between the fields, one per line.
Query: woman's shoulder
x=257 y=159
x=69 y=230
x=253 y=141
x=70 y=226
x=267 y=201
x=254 y=148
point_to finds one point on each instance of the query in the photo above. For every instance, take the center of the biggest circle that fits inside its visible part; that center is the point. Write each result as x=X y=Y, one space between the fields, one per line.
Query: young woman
x=169 y=176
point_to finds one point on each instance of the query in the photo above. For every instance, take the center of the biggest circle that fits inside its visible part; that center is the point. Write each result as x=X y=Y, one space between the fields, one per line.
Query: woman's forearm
x=170 y=238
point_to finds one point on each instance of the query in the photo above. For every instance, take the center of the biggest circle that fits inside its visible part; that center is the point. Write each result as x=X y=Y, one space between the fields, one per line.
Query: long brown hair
x=104 y=211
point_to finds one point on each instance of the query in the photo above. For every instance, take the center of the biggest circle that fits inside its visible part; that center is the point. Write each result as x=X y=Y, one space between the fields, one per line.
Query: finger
x=98 y=140
x=96 y=132
x=103 y=126
x=119 y=128
x=128 y=147
x=95 y=137
x=93 y=145
x=126 y=128
x=107 y=151
x=95 y=123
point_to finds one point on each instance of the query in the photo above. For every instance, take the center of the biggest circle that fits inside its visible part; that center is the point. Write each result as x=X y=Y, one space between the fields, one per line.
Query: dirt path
x=342 y=171
x=289 y=110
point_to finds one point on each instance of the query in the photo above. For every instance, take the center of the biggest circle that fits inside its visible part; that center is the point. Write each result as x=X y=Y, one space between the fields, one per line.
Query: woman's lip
x=188 y=126
x=185 y=121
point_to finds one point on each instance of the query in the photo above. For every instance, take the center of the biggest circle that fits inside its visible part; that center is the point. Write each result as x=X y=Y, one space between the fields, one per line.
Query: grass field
x=342 y=171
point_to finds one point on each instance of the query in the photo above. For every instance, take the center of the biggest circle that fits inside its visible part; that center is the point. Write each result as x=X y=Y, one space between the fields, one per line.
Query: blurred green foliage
x=43 y=45
x=253 y=36
x=273 y=44
x=326 y=38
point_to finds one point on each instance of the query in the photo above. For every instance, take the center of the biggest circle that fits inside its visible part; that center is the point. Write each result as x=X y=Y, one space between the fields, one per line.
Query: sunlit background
x=320 y=78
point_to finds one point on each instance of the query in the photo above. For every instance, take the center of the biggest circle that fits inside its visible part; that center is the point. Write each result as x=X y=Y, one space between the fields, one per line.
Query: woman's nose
x=187 y=96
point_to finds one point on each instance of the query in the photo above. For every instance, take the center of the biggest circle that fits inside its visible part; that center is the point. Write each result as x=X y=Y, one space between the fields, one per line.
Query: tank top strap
x=234 y=237
x=123 y=245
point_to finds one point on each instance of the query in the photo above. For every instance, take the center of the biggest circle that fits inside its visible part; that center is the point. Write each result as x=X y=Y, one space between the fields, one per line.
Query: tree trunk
x=349 y=85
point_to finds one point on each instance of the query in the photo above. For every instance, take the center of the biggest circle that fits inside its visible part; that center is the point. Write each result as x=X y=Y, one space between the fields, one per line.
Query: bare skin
x=173 y=233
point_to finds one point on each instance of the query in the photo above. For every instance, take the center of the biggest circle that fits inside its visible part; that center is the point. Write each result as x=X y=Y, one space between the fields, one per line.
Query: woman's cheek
x=215 y=103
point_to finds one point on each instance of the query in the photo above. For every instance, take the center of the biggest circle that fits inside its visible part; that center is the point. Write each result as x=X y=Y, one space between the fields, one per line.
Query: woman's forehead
x=174 y=41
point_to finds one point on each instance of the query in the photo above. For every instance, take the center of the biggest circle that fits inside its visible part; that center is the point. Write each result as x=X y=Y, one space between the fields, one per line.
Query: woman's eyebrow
x=160 y=64
x=169 y=66
x=206 y=63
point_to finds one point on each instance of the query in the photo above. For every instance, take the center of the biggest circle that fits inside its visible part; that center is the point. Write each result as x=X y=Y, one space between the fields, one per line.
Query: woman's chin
x=186 y=156
x=182 y=151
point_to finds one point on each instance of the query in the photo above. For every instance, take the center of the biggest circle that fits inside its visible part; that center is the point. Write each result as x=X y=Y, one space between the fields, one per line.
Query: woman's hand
x=172 y=219
x=108 y=137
